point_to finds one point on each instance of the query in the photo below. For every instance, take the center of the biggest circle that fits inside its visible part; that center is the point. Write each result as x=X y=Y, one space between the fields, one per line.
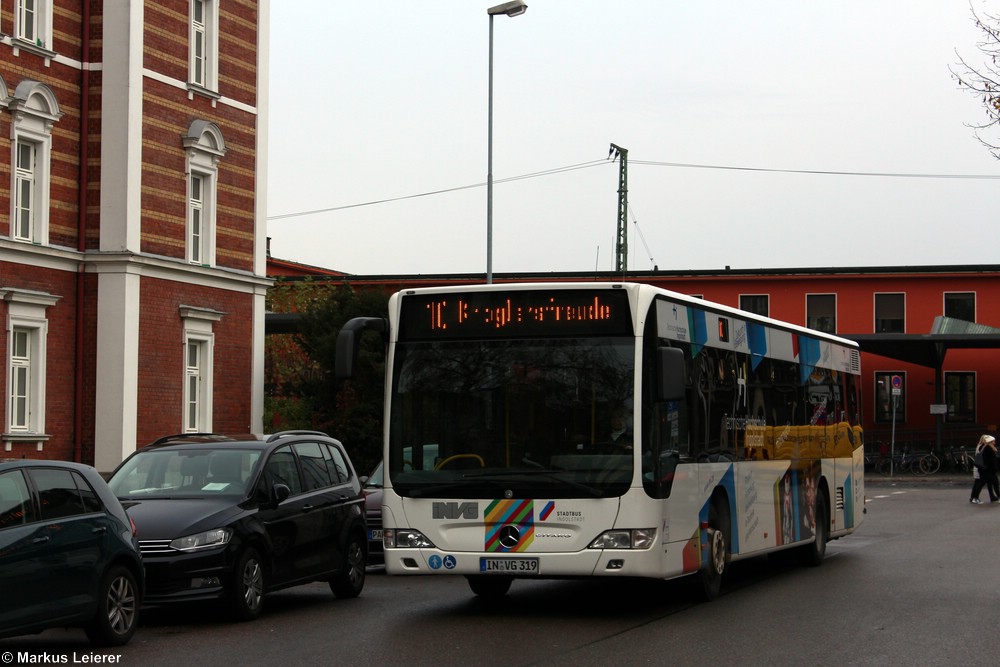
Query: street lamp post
x=513 y=8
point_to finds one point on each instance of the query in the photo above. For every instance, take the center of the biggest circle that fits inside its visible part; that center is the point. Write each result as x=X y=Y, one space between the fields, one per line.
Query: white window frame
x=205 y=146
x=201 y=218
x=197 y=380
x=25 y=188
x=26 y=316
x=35 y=110
x=21 y=402
x=196 y=410
x=203 y=58
x=33 y=24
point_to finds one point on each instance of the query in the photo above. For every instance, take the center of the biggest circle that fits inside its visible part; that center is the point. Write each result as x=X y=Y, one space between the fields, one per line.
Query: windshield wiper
x=553 y=474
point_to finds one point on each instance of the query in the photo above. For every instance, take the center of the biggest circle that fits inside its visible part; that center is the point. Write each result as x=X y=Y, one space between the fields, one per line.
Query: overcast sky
x=723 y=106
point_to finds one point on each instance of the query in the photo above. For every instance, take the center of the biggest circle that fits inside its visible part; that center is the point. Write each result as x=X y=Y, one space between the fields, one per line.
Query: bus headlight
x=404 y=538
x=636 y=538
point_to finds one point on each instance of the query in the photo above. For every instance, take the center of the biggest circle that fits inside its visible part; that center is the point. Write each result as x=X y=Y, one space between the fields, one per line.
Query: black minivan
x=233 y=518
x=68 y=553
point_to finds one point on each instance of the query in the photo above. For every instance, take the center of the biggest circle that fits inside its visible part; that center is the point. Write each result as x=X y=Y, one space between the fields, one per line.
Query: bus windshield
x=515 y=418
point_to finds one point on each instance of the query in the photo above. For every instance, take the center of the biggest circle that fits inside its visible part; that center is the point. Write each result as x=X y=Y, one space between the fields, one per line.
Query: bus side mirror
x=670 y=374
x=348 y=341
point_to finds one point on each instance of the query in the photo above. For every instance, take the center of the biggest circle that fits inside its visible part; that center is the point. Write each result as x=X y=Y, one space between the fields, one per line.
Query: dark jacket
x=989 y=459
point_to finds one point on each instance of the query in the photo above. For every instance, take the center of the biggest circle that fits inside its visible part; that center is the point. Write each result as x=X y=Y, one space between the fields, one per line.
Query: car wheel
x=351 y=580
x=246 y=597
x=117 y=609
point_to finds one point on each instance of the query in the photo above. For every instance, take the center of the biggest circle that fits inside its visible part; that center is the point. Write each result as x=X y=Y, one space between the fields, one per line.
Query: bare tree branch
x=983 y=80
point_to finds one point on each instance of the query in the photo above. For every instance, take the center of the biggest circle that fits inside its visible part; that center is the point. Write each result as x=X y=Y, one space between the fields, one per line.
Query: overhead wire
x=650 y=163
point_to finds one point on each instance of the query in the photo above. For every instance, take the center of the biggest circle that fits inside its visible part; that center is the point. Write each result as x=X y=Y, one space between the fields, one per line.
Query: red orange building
x=933 y=331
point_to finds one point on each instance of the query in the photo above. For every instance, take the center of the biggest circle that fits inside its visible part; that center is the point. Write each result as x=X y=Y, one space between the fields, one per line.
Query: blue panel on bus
x=757 y=342
x=698 y=326
x=808 y=357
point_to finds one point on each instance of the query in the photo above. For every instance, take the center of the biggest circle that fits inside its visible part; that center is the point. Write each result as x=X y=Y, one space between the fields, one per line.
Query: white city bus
x=608 y=429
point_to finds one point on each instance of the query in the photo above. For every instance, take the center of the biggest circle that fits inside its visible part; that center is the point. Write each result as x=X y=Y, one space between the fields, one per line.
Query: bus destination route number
x=475 y=314
x=508 y=565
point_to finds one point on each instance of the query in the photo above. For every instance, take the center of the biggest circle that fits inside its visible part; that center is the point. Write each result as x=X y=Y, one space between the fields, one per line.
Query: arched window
x=35 y=110
x=205 y=146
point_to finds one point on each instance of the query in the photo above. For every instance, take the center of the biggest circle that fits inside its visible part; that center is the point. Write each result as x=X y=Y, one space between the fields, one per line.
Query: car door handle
x=40 y=540
x=308 y=508
x=101 y=529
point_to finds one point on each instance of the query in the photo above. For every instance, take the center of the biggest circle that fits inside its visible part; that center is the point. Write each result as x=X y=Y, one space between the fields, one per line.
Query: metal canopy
x=923 y=349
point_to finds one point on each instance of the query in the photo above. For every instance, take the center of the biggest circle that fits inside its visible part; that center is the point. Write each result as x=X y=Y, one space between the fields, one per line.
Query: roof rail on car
x=285 y=434
x=184 y=436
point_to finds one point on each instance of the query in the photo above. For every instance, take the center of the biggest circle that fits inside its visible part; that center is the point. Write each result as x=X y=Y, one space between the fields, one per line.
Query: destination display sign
x=504 y=313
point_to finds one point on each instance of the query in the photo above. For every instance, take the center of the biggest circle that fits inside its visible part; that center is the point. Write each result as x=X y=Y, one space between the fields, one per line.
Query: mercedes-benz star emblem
x=509 y=536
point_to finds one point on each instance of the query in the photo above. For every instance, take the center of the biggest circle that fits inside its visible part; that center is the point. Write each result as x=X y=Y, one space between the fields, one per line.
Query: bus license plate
x=375 y=535
x=509 y=565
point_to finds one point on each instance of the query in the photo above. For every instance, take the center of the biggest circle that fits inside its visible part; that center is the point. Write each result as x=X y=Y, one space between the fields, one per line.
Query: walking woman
x=986 y=470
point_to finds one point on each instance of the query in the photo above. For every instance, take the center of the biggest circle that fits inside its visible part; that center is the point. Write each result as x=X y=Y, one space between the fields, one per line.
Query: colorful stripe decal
x=503 y=513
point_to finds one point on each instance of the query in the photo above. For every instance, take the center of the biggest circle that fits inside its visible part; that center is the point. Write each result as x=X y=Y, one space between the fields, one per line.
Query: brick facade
x=112 y=276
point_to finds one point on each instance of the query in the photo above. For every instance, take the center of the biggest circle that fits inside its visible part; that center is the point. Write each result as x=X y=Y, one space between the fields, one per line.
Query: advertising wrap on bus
x=609 y=429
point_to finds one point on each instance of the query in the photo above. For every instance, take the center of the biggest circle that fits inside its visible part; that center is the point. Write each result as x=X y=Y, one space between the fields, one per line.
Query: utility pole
x=621 y=238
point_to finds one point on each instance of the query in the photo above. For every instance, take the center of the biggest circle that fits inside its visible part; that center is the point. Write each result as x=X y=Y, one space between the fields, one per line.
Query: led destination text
x=507 y=313
x=515 y=312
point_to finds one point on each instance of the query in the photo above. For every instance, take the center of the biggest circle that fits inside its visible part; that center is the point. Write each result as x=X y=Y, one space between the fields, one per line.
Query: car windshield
x=480 y=418
x=164 y=473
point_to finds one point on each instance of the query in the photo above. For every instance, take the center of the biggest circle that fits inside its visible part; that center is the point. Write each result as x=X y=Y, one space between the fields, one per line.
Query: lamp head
x=512 y=8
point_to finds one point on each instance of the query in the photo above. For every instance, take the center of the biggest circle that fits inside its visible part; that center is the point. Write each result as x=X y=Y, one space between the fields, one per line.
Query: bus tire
x=812 y=554
x=489 y=587
x=718 y=552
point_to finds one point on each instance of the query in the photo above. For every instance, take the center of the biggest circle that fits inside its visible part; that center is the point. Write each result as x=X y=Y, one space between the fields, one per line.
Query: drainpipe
x=81 y=231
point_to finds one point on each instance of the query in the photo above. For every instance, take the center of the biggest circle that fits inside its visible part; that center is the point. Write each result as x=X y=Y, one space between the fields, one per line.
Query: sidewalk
x=909 y=479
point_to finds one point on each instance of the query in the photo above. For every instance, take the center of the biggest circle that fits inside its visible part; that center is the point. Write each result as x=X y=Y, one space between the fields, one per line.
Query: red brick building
x=132 y=260
x=936 y=328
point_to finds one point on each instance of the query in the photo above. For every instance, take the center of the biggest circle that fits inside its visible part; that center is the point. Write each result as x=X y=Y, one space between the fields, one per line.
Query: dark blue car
x=68 y=553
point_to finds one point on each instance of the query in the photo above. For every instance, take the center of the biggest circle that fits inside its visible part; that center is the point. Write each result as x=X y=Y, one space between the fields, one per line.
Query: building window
x=27 y=332
x=34 y=110
x=33 y=21
x=204 y=56
x=25 y=155
x=754 y=303
x=194 y=395
x=890 y=313
x=960 y=396
x=199 y=362
x=960 y=305
x=205 y=147
x=821 y=312
x=20 y=379
x=889 y=404
x=198 y=250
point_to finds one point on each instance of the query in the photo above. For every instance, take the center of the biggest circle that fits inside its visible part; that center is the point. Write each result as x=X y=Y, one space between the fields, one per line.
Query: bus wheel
x=489 y=586
x=813 y=554
x=718 y=554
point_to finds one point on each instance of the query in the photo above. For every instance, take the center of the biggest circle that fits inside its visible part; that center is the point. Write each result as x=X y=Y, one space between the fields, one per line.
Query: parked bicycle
x=959 y=460
x=907 y=462
x=929 y=463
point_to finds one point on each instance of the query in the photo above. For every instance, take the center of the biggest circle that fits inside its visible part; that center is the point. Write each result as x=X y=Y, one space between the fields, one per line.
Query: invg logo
x=455 y=510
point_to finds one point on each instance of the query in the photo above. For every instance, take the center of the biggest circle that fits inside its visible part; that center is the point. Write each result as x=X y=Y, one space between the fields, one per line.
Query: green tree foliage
x=302 y=389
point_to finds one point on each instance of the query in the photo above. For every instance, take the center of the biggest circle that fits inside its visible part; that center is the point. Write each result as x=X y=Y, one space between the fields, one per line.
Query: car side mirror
x=279 y=493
